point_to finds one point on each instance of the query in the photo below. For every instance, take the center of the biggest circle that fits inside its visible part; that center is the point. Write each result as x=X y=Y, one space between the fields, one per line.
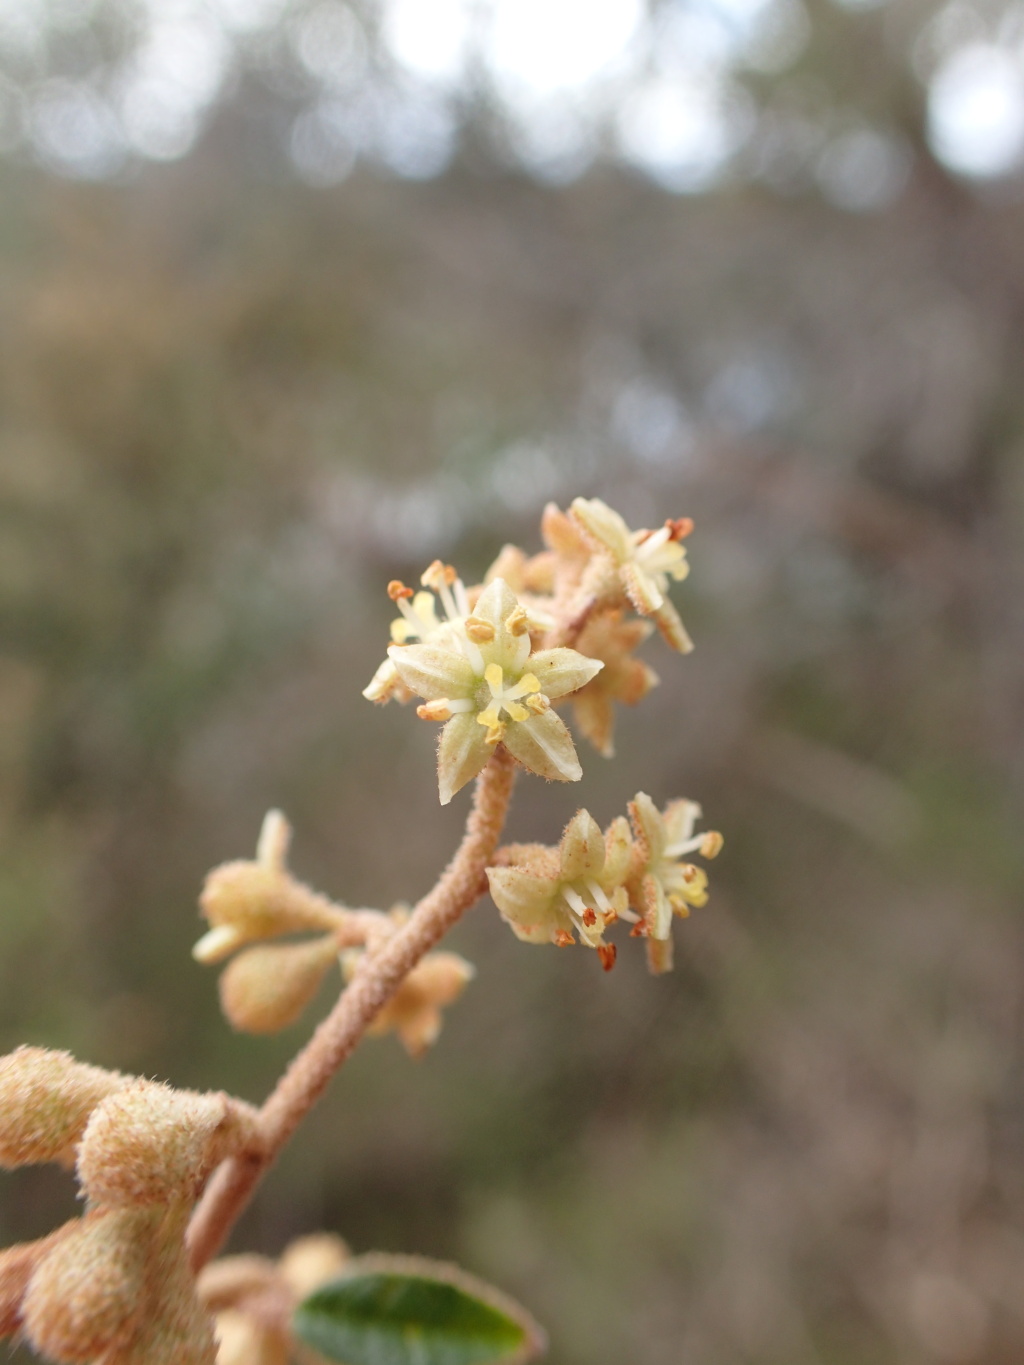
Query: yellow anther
x=397 y=589
x=711 y=844
x=495 y=734
x=482 y=632
x=494 y=677
x=518 y=621
x=434 y=710
x=538 y=703
x=689 y=871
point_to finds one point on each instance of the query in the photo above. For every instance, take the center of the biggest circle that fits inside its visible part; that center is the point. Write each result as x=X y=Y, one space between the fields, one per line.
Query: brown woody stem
x=381 y=971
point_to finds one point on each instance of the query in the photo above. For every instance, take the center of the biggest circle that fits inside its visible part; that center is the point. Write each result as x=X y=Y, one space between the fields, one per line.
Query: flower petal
x=433 y=671
x=679 y=818
x=641 y=589
x=386 y=684
x=461 y=753
x=658 y=911
x=582 y=848
x=561 y=671
x=524 y=898
x=648 y=827
x=594 y=714
x=604 y=525
x=496 y=603
x=544 y=745
x=673 y=631
x=659 y=956
x=618 y=849
x=563 y=535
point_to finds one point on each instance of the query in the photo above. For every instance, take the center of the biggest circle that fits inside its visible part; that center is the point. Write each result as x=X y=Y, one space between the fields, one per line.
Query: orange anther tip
x=397 y=589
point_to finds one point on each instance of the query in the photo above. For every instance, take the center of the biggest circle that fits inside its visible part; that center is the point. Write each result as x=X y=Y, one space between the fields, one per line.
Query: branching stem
x=381 y=971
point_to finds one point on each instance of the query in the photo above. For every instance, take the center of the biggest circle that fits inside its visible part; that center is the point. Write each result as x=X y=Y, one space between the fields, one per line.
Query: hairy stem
x=380 y=973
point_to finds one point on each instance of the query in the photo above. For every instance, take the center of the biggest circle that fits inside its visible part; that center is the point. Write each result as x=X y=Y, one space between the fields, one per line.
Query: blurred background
x=300 y=294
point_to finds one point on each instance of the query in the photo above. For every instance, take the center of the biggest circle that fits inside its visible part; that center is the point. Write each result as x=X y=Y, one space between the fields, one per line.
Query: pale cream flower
x=552 y=896
x=661 y=883
x=643 y=561
x=489 y=689
x=420 y=622
x=414 y=1012
x=624 y=679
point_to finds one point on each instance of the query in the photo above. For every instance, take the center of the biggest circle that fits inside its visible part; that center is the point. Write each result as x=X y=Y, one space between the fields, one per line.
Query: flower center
x=506 y=699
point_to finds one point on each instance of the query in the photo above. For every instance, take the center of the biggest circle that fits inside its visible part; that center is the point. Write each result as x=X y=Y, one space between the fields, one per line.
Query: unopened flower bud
x=311 y=1261
x=176 y=1330
x=87 y=1295
x=267 y=988
x=415 y=1010
x=45 y=1102
x=150 y=1144
x=243 y=1341
x=17 y=1265
x=244 y=901
x=225 y=1283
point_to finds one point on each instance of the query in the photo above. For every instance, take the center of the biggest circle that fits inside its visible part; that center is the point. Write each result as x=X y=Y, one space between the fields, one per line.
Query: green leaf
x=402 y=1310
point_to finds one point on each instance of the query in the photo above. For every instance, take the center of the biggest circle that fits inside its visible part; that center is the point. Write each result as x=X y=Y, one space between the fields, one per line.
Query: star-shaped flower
x=550 y=895
x=624 y=678
x=660 y=884
x=489 y=689
x=419 y=621
x=644 y=561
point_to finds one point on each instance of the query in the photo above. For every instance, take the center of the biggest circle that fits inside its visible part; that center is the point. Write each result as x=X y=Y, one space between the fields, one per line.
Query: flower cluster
x=489 y=661
x=575 y=893
x=252 y=1298
x=266 y=987
x=114 y=1284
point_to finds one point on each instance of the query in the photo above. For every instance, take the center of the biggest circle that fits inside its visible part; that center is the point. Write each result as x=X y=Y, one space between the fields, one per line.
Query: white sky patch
x=976 y=111
x=554 y=138
x=175 y=74
x=415 y=134
x=331 y=44
x=74 y=131
x=431 y=40
x=322 y=147
x=247 y=16
x=683 y=134
x=863 y=171
x=537 y=48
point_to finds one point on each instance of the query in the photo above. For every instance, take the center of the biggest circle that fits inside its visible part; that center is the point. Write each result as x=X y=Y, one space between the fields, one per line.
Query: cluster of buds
x=113 y=1286
x=577 y=891
x=267 y=986
x=490 y=661
x=253 y=1298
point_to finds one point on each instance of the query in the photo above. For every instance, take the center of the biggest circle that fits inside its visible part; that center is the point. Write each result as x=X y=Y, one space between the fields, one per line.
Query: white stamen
x=603 y=903
x=684 y=846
